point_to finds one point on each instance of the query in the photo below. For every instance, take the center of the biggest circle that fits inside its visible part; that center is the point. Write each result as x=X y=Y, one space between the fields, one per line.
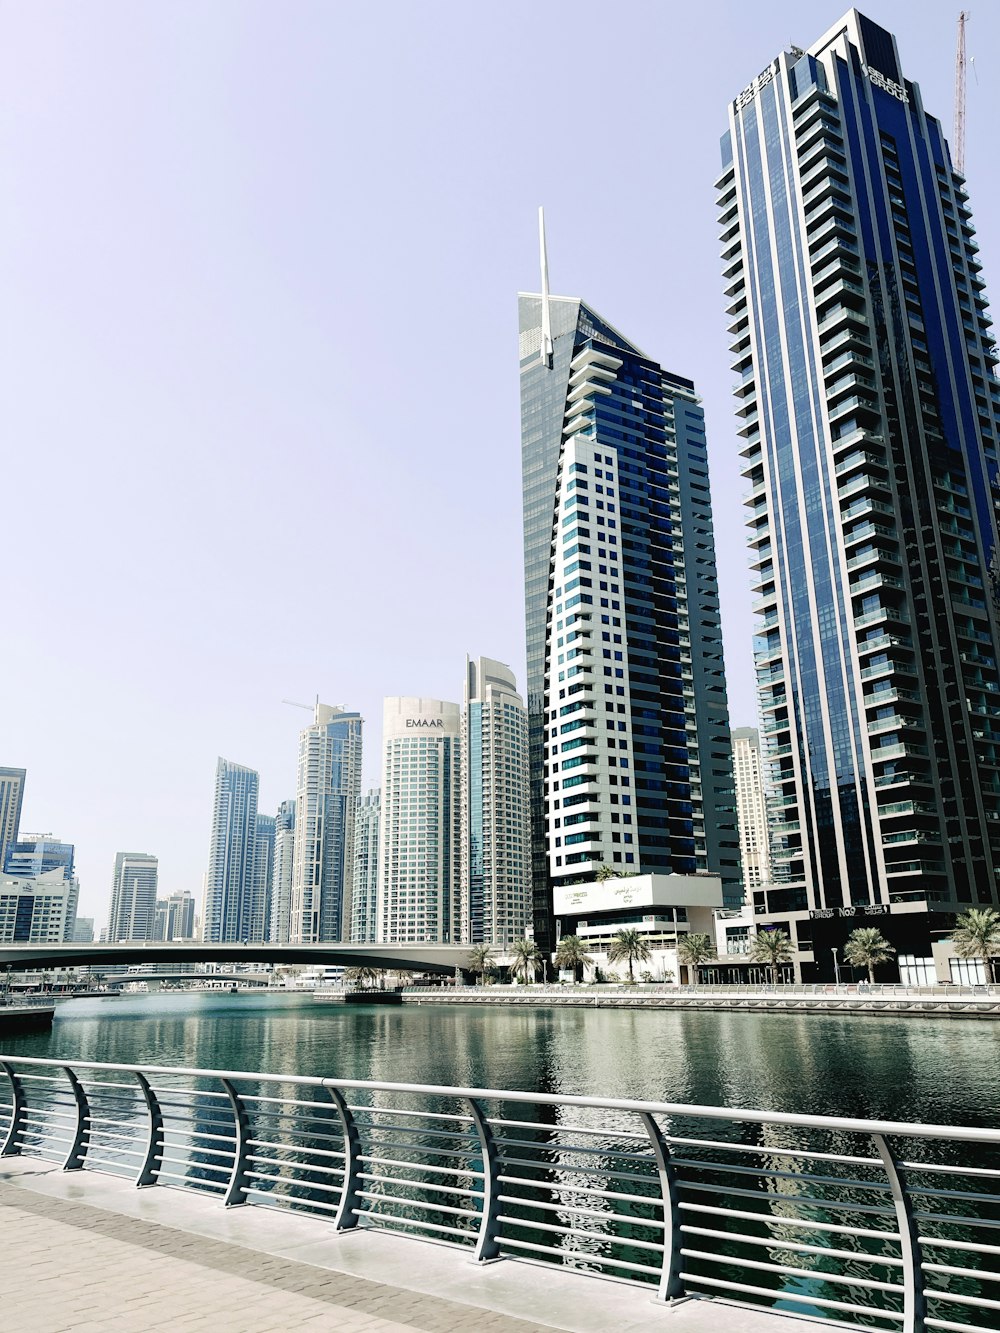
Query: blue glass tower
x=231 y=883
x=869 y=409
x=630 y=754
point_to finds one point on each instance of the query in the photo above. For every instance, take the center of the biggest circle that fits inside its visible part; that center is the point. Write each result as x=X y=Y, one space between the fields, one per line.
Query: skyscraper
x=329 y=782
x=630 y=755
x=496 y=817
x=364 y=898
x=39 y=856
x=175 y=917
x=263 y=877
x=419 y=877
x=870 y=412
x=133 y=897
x=11 y=797
x=230 y=885
x=281 y=878
x=751 y=809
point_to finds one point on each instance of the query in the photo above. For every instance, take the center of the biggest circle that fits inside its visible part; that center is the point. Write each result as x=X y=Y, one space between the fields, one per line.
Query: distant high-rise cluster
x=439 y=853
x=39 y=889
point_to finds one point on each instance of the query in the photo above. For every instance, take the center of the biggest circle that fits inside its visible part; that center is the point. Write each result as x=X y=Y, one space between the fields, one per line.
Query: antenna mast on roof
x=547 y=348
x=958 y=133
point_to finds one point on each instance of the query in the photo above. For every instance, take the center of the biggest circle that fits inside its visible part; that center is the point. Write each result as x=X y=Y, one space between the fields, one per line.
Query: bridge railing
x=876 y=1224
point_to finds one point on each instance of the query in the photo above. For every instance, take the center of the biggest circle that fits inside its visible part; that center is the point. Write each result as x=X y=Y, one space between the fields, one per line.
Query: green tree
x=572 y=952
x=481 y=962
x=695 y=949
x=772 y=947
x=867 y=947
x=526 y=956
x=977 y=935
x=365 y=977
x=628 y=946
x=611 y=872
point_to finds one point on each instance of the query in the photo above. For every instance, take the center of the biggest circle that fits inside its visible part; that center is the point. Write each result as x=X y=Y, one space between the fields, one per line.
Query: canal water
x=942 y=1071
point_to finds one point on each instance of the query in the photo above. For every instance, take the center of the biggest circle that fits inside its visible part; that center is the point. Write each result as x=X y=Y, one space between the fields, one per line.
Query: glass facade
x=631 y=762
x=869 y=409
x=230 y=882
x=496 y=853
x=133 y=897
x=420 y=838
x=329 y=783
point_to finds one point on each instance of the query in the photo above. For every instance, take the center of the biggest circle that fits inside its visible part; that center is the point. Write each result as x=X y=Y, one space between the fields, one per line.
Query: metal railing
x=862 y=990
x=877 y=1224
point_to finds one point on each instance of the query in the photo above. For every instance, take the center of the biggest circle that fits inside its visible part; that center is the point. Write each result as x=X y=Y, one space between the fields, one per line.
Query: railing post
x=346 y=1216
x=236 y=1191
x=11 y=1146
x=81 y=1139
x=670 y=1282
x=488 y=1242
x=149 y=1171
x=914 y=1298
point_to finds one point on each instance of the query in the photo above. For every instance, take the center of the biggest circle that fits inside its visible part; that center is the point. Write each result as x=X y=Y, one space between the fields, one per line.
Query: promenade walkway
x=84 y=1253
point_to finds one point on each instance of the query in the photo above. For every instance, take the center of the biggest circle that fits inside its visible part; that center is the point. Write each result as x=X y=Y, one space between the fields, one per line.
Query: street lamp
x=836 y=966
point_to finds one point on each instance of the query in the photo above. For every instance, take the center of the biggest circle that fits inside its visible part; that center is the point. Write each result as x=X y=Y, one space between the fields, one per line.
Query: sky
x=259 y=419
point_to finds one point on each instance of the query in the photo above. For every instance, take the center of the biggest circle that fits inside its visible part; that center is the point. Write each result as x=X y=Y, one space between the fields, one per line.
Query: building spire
x=547 y=348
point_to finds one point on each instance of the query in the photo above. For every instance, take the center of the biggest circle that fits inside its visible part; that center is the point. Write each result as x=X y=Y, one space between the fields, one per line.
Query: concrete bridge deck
x=84 y=1252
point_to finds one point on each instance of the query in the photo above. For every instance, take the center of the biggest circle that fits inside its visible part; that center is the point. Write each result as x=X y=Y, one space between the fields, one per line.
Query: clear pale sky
x=258 y=362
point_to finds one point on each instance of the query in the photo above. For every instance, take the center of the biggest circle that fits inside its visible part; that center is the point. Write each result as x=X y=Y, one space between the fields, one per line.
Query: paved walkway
x=84 y=1253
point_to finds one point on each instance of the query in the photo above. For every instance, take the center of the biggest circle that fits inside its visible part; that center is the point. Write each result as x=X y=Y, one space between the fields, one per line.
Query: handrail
x=846 y=1124
x=684 y=1199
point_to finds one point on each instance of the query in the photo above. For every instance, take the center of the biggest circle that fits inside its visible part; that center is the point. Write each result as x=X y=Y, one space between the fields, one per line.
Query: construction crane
x=310 y=708
x=958 y=134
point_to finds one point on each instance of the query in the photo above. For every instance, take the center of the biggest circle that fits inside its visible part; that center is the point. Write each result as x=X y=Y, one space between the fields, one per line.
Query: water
x=941 y=1071
x=923 y=1070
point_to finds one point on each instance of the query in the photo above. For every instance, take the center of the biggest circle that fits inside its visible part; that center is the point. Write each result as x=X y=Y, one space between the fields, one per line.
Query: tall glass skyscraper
x=364 y=900
x=329 y=783
x=279 y=928
x=230 y=886
x=870 y=413
x=11 y=797
x=496 y=816
x=630 y=756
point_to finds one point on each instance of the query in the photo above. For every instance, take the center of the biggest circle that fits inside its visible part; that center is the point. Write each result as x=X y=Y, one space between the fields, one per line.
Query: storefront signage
x=867 y=909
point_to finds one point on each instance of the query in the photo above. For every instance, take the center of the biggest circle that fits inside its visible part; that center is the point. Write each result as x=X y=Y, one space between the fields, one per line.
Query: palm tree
x=365 y=977
x=771 y=947
x=628 y=946
x=867 y=947
x=572 y=952
x=977 y=935
x=526 y=956
x=695 y=949
x=605 y=871
x=481 y=962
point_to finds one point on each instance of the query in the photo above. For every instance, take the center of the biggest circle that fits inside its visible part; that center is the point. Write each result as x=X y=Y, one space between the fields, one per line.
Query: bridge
x=442 y=958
